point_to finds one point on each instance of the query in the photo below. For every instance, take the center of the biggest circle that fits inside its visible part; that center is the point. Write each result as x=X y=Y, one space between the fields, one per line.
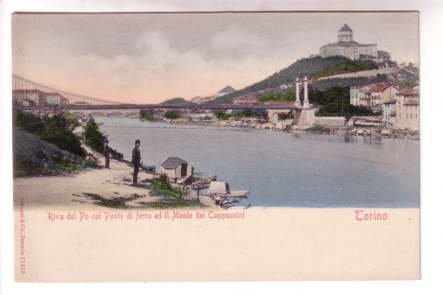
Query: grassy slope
x=309 y=67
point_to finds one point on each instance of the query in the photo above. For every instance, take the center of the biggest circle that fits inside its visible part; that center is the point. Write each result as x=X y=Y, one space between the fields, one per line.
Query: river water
x=283 y=169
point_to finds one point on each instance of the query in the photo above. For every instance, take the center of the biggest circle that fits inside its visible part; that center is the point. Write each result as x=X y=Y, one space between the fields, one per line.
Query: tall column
x=306 y=96
x=297 y=92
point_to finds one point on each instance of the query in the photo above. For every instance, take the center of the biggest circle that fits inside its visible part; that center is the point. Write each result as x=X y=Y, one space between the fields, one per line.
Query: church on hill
x=347 y=47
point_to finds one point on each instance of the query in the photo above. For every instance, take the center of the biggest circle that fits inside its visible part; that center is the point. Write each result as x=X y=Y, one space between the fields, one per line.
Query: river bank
x=357 y=131
x=95 y=187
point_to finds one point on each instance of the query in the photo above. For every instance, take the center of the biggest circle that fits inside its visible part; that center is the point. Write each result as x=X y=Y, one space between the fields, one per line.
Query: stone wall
x=330 y=121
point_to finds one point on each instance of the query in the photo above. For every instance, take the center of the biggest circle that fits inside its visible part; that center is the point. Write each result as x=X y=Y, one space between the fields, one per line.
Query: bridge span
x=73 y=107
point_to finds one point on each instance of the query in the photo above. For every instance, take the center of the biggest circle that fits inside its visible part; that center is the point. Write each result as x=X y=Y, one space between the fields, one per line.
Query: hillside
x=302 y=67
x=177 y=100
x=348 y=82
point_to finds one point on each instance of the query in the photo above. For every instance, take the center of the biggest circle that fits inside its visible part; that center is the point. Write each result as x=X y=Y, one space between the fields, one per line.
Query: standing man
x=106 y=153
x=136 y=157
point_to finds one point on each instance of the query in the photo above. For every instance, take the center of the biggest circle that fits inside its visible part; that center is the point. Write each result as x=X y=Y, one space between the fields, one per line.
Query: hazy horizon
x=150 y=57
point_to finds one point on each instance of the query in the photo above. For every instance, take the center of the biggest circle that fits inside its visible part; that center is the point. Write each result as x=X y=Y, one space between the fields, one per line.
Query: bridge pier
x=304 y=117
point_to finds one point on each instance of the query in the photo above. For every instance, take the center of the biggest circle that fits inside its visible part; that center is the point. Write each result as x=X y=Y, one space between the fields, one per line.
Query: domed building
x=347 y=47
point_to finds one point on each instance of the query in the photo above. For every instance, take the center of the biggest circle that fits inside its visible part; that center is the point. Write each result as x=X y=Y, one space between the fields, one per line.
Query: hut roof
x=173 y=162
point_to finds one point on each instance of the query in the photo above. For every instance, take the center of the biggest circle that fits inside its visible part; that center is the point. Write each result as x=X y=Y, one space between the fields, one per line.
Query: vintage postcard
x=216 y=146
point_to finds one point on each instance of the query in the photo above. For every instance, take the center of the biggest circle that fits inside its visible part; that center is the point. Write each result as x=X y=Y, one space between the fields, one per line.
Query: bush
x=56 y=129
x=287 y=96
x=222 y=115
x=162 y=186
x=28 y=122
x=172 y=115
x=249 y=113
x=93 y=137
x=147 y=115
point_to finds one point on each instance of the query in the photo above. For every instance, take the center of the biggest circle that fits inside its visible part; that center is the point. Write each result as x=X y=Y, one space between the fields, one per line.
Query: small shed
x=176 y=168
x=219 y=187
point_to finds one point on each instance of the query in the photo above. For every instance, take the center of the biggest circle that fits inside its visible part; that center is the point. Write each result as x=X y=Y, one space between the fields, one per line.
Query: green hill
x=306 y=66
x=177 y=100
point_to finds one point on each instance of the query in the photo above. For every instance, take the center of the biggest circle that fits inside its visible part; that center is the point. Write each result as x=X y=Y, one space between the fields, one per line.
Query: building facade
x=358 y=95
x=347 y=47
x=38 y=97
x=55 y=99
x=408 y=110
x=34 y=96
x=389 y=112
x=372 y=96
x=380 y=93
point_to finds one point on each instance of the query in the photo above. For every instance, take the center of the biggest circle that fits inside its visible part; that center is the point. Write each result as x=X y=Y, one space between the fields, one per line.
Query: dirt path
x=78 y=189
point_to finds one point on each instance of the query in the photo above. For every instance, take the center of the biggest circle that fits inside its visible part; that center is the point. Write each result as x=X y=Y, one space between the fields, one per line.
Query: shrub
x=162 y=186
x=288 y=96
x=147 y=115
x=172 y=115
x=56 y=129
x=93 y=137
x=28 y=122
x=222 y=115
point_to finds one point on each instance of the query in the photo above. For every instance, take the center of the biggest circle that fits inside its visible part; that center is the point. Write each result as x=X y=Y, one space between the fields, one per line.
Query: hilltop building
x=347 y=47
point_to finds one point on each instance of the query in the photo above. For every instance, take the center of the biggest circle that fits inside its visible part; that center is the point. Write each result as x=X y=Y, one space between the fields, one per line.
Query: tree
x=93 y=137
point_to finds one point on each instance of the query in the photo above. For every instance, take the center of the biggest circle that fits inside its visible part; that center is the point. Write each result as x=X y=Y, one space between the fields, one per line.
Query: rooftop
x=408 y=92
x=345 y=28
x=380 y=87
x=173 y=162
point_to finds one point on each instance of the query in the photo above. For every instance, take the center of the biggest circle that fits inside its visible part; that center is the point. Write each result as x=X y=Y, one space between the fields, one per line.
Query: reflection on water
x=284 y=169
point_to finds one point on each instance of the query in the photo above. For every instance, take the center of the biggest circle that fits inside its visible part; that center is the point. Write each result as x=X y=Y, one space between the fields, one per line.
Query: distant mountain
x=177 y=100
x=225 y=91
x=302 y=67
x=205 y=99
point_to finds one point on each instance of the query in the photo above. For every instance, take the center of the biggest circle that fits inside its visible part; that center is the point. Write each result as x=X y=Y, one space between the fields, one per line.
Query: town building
x=347 y=47
x=372 y=95
x=408 y=110
x=358 y=95
x=389 y=112
x=380 y=92
x=38 y=97
x=176 y=169
x=56 y=99
x=246 y=100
